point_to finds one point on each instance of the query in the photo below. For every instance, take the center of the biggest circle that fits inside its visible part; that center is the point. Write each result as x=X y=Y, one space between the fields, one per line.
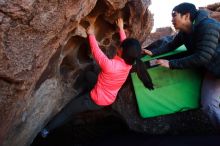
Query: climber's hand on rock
x=120 y=23
x=90 y=29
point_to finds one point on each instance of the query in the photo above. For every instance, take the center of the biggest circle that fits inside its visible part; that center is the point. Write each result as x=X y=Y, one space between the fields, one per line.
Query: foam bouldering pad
x=175 y=90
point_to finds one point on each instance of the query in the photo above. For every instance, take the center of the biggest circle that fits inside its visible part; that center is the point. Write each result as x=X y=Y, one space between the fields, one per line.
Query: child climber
x=112 y=76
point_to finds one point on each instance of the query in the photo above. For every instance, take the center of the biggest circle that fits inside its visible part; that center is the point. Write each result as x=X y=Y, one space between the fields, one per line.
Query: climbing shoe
x=44 y=133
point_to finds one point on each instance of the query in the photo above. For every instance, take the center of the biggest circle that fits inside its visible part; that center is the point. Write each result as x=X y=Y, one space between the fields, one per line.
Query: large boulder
x=43 y=49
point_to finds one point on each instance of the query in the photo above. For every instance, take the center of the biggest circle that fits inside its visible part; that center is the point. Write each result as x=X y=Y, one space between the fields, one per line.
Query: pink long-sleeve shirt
x=113 y=74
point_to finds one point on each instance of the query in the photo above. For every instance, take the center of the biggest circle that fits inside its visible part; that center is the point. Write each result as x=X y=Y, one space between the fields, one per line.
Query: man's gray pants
x=210 y=98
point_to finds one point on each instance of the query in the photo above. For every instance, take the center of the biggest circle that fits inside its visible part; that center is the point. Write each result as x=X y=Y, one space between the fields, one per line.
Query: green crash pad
x=175 y=90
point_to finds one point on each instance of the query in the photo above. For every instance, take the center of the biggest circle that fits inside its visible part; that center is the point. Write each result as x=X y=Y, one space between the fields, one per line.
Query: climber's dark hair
x=131 y=53
x=184 y=8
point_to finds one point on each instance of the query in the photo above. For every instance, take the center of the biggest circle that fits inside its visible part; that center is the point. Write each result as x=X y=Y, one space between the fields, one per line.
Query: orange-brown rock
x=214 y=10
x=43 y=47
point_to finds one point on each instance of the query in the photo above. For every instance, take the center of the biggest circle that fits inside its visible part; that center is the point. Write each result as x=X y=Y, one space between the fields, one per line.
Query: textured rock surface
x=160 y=32
x=43 y=48
x=214 y=10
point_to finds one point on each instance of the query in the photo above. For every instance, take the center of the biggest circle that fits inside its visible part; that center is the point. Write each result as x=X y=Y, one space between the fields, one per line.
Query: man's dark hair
x=184 y=8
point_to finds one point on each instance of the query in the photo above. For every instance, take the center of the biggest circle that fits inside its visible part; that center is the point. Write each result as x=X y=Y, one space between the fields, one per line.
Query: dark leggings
x=81 y=103
x=75 y=106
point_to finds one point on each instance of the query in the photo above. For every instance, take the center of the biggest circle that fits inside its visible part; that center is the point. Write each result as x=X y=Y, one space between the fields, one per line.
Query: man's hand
x=120 y=23
x=147 y=52
x=163 y=62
